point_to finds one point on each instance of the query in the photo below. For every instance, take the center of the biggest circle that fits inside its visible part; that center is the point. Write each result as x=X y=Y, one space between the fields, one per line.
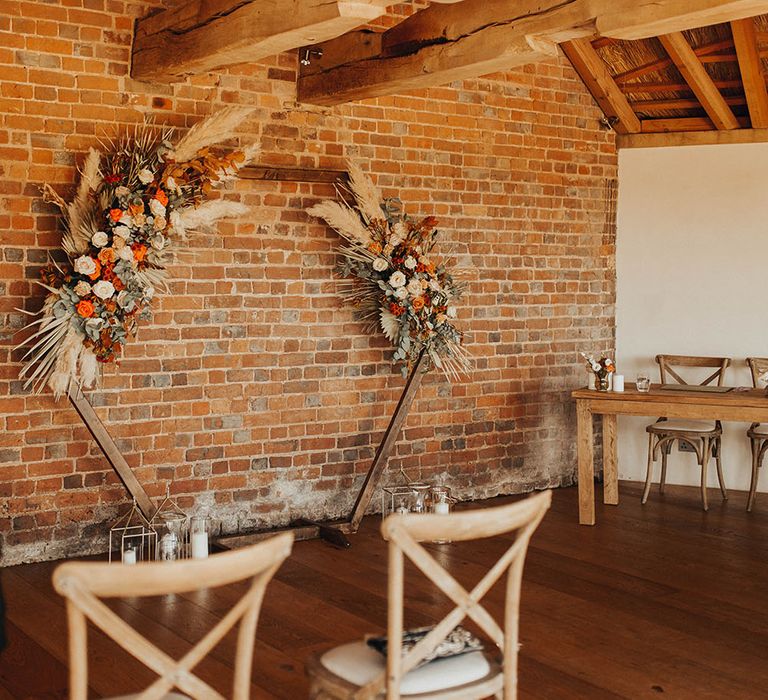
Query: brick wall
x=252 y=392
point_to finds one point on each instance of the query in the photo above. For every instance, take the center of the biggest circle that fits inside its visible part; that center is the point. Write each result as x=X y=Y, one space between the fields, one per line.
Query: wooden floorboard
x=655 y=600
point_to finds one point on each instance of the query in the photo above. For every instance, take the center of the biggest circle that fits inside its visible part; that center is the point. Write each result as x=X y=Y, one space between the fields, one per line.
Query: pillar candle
x=618 y=382
x=199 y=545
x=129 y=556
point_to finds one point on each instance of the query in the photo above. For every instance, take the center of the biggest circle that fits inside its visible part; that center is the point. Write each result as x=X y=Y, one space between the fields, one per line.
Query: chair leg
x=649 y=472
x=705 y=454
x=717 y=449
x=755 y=466
x=664 y=454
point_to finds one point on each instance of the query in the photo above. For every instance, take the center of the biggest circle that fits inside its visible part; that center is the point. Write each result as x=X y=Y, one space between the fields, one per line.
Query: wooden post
x=388 y=442
x=111 y=452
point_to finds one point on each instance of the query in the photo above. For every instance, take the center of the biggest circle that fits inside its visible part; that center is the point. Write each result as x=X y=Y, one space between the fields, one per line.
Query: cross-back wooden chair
x=704 y=437
x=357 y=671
x=757 y=433
x=84 y=583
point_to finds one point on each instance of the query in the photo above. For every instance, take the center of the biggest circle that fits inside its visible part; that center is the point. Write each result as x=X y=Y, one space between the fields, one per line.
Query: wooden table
x=736 y=405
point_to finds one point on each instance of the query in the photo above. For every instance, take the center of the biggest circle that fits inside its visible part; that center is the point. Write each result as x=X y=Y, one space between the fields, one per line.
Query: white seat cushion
x=699 y=426
x=357 y=663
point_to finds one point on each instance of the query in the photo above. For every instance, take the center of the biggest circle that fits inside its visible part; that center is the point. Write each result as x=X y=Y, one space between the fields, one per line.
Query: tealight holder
x=396 y=499
x=199 y=536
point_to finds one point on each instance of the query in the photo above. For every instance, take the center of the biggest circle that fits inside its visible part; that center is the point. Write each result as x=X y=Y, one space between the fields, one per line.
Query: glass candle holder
x=199 y=535
x=440 y=500
x=643 y=383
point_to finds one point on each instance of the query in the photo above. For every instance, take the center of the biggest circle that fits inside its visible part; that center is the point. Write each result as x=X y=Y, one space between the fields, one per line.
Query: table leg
x=610 y=461
x=586 y=464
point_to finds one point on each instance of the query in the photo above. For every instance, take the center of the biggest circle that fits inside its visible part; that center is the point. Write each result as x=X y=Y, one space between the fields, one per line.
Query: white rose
x=146 y=176
x=380 y=264
x=156 y=208
x=122 y=191
x=122 y=231
x=401 y=293
x=158 y=241
x=85 y=265
x=414 y=288
x=410 y=262
x=82 y=288
x=99 y=239
x=397 y=279
x=395 y=241
x=451 y=312
x=126 y=220
x=434 y=285
x=126 y=254
x=160 y=223
x=399 y=229
x=103 y=289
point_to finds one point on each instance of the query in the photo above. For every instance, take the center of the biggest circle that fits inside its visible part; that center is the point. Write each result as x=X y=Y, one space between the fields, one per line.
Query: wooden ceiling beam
x=664 y=86
x=440 y=44
x=752 y=73
x=694 y=73
x=443 y=43
x=202 y=35
x=651 y=106
x=640 y=19
x=599 y=82
x=692 y=138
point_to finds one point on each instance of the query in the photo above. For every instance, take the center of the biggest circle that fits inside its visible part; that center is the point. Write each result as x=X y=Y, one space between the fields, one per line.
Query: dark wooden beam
x=283 y=174
x=197 y=36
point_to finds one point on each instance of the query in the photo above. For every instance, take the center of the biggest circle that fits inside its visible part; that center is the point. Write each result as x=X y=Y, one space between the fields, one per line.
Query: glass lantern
x=172 y=527
x=134 y=537
x=408 y=498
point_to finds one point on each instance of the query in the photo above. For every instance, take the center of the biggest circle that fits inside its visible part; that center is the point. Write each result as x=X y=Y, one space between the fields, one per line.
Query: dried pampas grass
x=76 y=240
x=343 y=220
x=219 y=127
x=207 y=214
x=365 y=192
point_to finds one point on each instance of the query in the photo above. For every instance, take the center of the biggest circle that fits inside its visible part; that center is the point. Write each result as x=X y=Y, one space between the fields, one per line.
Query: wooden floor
x=656 y=600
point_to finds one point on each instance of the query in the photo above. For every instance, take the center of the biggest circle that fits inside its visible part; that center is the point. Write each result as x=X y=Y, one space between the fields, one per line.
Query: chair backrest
x=405 y=532
x=83 y=583
x=669 y=364
x=758 y=366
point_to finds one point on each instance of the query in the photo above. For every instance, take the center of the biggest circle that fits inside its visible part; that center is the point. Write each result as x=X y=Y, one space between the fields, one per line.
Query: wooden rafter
x=467 y=39
x=694 y=73
x=752 y=73
x=202 y=35
x=598 y=80
x=692 y=138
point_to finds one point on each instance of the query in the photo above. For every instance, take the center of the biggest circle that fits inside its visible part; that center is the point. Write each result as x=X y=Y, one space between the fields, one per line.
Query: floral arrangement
x=601 y=369
x=398 y=283
x=130 y=205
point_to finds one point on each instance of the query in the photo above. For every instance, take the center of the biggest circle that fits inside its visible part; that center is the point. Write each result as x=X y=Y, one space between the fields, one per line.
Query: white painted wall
x=692 y=279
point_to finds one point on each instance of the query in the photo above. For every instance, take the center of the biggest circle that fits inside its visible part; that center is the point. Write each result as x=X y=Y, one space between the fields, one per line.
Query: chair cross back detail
x=84 y=583
x=405 y=534
x=667 y=363
x=758 y=366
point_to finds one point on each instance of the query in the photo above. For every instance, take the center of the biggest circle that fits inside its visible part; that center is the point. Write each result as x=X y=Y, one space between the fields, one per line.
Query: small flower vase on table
x=602 y=369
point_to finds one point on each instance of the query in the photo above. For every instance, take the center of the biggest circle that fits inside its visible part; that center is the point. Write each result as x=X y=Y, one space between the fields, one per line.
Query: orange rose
x=136 y=209
x=115 y=214
x=106 y=256
x=161 y=197
x=375 y=247
x=396 y=309
x=85 y=309
x=418 y=303
x=117 y=283
x=139 y=251
x=95 y=274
